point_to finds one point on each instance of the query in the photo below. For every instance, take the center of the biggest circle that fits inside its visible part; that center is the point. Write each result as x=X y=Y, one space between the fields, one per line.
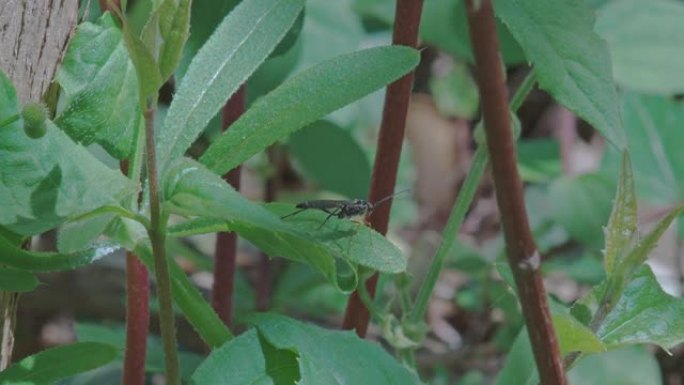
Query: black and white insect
x=341 y=208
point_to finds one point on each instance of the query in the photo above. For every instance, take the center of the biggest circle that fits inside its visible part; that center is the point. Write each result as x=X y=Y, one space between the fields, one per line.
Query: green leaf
x=244 y=40
x=653 y=125
x=17 y=280
x=332 y=157
x=165 y=33
x=610 y=368
x=100 y=88
x=197 y=226
x=573 y=336
x=519 y=367
x=571 y=61
x=49 y=179
x=52 y=179
x=54 y=364
x=646 y=50
x=203 y=22
x=622 y=225
x=241 y=361
x=333 y=250
x=326 y=357
x=149 y=75
x=582 y=204
x=16 y=257
x=305 y=98
x=76 y=235
x=644 y=314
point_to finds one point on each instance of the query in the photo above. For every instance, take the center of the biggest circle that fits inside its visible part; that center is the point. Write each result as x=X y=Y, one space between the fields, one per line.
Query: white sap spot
x=532 y=262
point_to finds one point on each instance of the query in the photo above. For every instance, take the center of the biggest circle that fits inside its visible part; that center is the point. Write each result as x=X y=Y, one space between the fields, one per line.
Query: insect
x=341 y=208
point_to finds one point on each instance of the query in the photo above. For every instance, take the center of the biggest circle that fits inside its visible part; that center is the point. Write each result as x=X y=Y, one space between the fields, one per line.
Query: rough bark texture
x=33 y=37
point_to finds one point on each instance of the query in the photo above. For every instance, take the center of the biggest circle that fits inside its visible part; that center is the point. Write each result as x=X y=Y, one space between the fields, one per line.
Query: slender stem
x=137 y=306
x=8 y=121
x=407 y=20
x=523 y=257
x=458 y=212
x=157 y=234
x=460 y=208
x=226 y=242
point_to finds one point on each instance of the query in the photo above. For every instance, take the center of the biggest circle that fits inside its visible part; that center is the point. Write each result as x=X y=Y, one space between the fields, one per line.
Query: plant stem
x=465 y=198
x=226 y=242
x=157 y=234
x=407 y=20
x=460 y=208
x=523 y=257
x=137 y=308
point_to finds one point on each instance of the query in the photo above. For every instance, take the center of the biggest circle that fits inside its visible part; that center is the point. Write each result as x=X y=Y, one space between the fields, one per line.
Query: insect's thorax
x=355 y=208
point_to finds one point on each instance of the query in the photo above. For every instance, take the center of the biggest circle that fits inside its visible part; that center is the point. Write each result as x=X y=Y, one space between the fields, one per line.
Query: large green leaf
x=331 y=357
x=54 y=364
x=572 y=62
x=165 y=33
x=646 y=51
x=241 y=361
x=305 y=98
x=100 y=88
x=14 y=256
x=17 y=280
x=46 y=180
x=244 y=40
x=644 y=314
x=332 y=158
x=609 y=368
x=333 y=250
x=654 y=133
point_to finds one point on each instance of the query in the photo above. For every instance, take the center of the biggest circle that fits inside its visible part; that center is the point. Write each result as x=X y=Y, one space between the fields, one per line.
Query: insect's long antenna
x=375 y=204
x=294 y=213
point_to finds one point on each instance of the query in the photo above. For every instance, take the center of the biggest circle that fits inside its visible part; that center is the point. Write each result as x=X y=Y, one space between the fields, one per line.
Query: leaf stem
x=523 y=256
x=157 y=234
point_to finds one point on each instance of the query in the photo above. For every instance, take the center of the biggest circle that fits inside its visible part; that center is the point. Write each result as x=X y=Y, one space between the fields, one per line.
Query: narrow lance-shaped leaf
x=100 y=87
x=149 y=76
x=47 y=180
x=165 y=33
x=570 y=59
x=241 y=42
x=51 y=365
x=622 y=225
x=16 y=257
x=305 y=98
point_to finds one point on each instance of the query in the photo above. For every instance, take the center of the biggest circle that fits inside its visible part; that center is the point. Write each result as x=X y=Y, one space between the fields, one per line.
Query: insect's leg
x=294 y=213
x=334 y=213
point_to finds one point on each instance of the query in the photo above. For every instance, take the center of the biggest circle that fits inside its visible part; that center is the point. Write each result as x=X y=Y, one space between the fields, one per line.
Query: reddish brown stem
x=226 y=243
x=137 y=320
x=521 y=250
x=407 y=20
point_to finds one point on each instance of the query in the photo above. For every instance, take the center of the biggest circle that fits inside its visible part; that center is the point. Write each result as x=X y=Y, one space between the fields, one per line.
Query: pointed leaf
x=644 y=314
x=241 y=361
x=100 y=87
x=622 y=225
x=51 y=365
x=570 y=59
x=325 y=357
x=49 y=179
x=150 y=79
x=244 y=40
x=195 y=191
x=17 y=280
x=16 y=257
x=166 y=32
x=305 y=98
